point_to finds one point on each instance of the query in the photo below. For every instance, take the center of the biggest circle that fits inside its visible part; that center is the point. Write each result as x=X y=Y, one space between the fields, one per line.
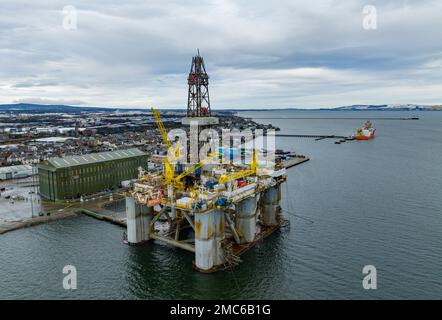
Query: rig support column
x=220 y=223
x=204 y=240
x=270 y=207
x=146 y=218
x=279 y=214
x=138 y=220
x=246 y=218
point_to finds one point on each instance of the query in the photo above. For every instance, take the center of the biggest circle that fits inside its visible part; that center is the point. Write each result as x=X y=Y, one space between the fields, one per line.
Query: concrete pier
x=204 y=240
x=291 y=162
x=138 y=221
x=246 y=218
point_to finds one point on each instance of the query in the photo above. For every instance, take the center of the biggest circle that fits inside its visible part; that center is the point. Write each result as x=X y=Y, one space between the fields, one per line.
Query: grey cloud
x=34 y=84
x=136 y=53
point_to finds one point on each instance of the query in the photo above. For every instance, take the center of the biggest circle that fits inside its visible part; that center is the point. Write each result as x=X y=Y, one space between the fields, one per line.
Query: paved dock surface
x=291 y=162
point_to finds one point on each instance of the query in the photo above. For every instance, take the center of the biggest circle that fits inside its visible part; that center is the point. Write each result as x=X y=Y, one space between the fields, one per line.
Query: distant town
x=29 y=137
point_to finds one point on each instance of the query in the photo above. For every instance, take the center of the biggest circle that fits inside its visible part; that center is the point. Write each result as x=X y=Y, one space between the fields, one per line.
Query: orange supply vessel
x=365 y=133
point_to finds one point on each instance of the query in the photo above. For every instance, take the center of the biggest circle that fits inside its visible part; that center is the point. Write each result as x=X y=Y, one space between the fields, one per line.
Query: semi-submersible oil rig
x=214 y=208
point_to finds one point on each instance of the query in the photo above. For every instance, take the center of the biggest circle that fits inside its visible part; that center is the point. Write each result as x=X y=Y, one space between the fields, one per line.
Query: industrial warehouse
x=16 y=172
x=75 y=176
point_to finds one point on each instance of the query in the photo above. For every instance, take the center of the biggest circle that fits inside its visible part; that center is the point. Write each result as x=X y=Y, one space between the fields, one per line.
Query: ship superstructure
x=367 y=132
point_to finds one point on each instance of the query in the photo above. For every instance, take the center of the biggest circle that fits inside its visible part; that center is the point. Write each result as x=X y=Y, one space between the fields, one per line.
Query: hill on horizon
x=46 y=108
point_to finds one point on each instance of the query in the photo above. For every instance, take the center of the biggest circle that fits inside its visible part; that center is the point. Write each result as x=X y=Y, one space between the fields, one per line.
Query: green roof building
x=71 y=177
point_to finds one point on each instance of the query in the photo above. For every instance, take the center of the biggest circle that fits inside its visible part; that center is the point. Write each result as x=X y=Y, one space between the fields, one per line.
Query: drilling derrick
x=198 y=101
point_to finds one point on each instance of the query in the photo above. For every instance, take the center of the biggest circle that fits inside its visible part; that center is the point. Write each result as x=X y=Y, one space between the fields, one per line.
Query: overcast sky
x=259 y=54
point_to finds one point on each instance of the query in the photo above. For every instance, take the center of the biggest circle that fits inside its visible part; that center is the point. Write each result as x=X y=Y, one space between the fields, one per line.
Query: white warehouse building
x=16 y=172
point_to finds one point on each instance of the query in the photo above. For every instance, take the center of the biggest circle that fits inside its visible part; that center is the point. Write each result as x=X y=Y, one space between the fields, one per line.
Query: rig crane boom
x=169 y=169
x=161 y=127
x=192 y=169
x=225 y=178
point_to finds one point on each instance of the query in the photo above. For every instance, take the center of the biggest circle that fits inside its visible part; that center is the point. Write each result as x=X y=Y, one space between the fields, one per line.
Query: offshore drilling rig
x=212 y=207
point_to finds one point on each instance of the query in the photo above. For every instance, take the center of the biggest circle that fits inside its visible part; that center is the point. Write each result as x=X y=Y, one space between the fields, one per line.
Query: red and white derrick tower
x=198 y=101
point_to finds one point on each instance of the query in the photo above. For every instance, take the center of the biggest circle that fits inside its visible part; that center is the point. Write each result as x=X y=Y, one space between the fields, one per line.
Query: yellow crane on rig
x=178 y=179
x=169 y=170
x=225 y=178
x=161 y=127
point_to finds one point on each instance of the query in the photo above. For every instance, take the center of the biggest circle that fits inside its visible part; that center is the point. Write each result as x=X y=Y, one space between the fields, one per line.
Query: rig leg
x=204 y=240
x=138 y=221
x=270 y=207
x=220 y=223
x=146 y=218
x=246 y=215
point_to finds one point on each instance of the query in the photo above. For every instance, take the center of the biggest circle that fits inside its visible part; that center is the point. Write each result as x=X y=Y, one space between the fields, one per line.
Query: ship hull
x=371 y=136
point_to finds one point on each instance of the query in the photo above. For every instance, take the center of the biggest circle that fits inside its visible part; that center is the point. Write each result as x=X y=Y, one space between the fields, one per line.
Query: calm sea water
x=367 y=203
